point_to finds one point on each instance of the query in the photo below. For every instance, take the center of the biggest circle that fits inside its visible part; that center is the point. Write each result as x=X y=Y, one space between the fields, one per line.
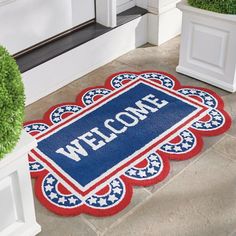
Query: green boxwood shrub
x=12 y=101
x=220 y=6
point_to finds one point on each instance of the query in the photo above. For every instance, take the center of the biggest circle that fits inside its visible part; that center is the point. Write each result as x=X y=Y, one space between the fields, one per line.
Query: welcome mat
x=92 y=152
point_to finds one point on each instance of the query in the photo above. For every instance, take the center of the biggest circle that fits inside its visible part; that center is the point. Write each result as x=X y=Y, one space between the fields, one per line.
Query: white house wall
x=158 y=26
x=54 y=74
x=123 y=5
x=106 y=11
x=164 y=21
x=25 y=23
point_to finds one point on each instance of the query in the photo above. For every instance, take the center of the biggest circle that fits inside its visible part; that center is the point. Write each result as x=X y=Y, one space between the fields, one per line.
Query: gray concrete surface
x=199 y=195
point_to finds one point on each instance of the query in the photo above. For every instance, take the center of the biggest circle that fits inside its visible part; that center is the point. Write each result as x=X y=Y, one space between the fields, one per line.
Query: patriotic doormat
x=92 y=152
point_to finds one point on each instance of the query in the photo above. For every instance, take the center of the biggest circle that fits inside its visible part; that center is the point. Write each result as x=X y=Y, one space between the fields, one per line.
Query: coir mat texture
x=92 y=152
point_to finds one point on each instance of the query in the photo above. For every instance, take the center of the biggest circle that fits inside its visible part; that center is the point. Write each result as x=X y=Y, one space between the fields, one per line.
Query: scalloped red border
x=127 y=181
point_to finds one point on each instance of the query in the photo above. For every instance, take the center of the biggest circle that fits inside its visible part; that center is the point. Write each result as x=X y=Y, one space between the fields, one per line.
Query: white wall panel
x=123 y=5
x=24 y=23
x=79 y=61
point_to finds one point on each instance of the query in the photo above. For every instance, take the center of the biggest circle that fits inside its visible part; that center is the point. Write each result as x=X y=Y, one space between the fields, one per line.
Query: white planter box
x=17 y=214
x=208 y=47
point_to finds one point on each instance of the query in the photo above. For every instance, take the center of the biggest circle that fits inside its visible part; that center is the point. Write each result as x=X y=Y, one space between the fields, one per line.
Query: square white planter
x=17 y=214
x=208 y=47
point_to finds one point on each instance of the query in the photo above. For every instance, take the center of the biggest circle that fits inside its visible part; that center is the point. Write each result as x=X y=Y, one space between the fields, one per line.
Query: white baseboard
x=56 y=73
x=206 y=79
x=34 y=230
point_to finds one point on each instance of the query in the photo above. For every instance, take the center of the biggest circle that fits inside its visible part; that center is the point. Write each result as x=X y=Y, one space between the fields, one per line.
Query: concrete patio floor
x=199 y=195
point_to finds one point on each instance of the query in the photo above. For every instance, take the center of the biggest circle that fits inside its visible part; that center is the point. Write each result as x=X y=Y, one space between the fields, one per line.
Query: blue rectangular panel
x=133 y=139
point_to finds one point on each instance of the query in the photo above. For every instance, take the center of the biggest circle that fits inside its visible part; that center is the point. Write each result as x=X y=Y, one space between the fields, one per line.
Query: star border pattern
x=117 y=194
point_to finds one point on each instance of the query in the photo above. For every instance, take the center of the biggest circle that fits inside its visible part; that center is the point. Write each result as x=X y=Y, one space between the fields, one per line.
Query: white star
x=153 y=157
x=151 y=170
x=75 y=109
x=185 y=134
x=207 y=125
x=198 y=125
x=92 y=200
x=117 y=190
x=201 y=94
x=112 y=198
x=91 y=93
x=88 y=101
x=27 y=129
x=50 y=180
x=68 y=108
x=167 y=147
x=155 y=163
x=146 y=76
x=218 y=118
x=72 y=200
x=87 y=97
x=35 y=126
x=56 y=119
x=41 y=127
x=193 y=91
x=184 y=92
x=209 y=103
x=177 y=148
x=56 y=114
x=35 y=166
x=48 y=188
x=141 y=173
x=208 y=98
x=214 y=113
x=53 y=195
x=115 y=183
x=188 y=139
x=102 y=202
x=60 y=110
x=132 y=172
x=216 y=123
x=186 y=145
x=168 y=84
x=105 y=92
x=62 y=200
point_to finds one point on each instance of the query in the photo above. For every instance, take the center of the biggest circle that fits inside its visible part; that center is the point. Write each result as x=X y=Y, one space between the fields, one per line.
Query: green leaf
x=220 y=6
x=12 y=102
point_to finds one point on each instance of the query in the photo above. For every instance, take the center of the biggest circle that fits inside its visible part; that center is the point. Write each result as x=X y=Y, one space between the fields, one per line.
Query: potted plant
x=207 y=50
x=17 y=216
